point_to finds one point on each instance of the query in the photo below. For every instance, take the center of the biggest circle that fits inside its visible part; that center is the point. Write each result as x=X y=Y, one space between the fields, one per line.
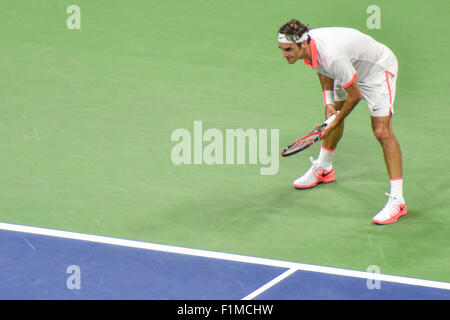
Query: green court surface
x=87 y=117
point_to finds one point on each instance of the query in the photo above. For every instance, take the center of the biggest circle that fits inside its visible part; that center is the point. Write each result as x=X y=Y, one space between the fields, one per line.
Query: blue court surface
x=38 y=263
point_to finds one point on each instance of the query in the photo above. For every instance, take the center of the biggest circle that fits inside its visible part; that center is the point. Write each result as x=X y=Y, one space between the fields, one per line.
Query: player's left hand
x=326 y=131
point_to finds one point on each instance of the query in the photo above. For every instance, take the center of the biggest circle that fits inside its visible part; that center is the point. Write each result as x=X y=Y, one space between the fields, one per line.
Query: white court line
x=269 y=285
x=224 y=256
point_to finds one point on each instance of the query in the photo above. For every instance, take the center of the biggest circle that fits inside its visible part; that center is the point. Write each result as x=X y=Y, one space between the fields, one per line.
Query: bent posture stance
x=351 y=66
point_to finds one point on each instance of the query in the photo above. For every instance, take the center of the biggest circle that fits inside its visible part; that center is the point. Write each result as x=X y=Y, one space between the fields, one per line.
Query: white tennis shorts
x=378 y=90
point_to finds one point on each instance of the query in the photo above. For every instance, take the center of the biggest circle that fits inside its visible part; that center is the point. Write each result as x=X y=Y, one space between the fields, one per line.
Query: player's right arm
x=327 y=84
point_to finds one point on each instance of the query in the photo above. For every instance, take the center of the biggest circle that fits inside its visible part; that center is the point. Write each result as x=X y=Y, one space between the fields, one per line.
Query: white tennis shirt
x=348 y=55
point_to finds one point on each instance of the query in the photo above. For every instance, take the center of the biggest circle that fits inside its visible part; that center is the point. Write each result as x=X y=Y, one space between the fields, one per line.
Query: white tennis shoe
x=315 y=175
x=392 y=211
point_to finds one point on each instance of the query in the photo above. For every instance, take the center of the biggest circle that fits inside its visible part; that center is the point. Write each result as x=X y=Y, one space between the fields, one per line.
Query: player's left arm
x=346 y=74
x=354 y=97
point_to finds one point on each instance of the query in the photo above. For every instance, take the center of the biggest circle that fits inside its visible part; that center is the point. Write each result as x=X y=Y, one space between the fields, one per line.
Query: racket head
x=302 y=143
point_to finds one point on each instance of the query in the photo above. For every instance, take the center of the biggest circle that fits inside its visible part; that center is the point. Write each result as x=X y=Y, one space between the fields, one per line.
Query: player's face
x=291 y=52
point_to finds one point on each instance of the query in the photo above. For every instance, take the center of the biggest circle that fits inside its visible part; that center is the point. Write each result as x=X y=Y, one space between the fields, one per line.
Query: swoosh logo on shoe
x=325 y=174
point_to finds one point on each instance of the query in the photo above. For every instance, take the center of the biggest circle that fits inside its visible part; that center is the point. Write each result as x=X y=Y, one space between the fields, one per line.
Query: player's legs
x=382 y=129
x=381 y=106
x=395 y=207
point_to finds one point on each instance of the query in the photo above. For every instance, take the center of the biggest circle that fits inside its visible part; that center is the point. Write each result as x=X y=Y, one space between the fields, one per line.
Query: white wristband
x=328 y=97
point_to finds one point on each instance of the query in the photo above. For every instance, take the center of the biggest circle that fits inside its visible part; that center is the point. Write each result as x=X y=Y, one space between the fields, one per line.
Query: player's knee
x=383 y=135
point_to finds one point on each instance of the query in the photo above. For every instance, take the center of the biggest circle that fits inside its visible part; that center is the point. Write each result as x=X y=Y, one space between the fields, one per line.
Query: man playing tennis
x=351 y=66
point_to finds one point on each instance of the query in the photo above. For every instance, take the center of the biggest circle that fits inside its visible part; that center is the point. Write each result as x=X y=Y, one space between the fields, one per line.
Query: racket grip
x=330 y=119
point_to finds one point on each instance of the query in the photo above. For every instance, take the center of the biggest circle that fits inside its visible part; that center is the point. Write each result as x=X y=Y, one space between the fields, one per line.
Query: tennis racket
x=308 y=140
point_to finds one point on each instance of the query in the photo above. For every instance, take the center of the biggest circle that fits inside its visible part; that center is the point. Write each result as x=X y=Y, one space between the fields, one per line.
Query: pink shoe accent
x=400 y=212
x=322 y=176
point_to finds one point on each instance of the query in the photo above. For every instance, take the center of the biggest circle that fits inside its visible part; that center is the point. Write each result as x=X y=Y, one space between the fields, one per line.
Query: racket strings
x=302 y=143
x=306 y=141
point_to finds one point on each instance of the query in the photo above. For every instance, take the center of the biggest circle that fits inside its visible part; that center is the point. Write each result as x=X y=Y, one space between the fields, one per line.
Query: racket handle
x=330 y=119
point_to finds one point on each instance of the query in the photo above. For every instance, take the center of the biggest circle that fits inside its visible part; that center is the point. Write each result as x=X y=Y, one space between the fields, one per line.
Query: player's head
x=293 y=40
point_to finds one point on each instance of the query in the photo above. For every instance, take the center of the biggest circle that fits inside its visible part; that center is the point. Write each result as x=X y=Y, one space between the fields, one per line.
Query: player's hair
x=294 y=29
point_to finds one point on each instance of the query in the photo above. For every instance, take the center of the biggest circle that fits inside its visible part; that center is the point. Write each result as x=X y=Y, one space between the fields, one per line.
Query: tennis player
x=351 y=66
